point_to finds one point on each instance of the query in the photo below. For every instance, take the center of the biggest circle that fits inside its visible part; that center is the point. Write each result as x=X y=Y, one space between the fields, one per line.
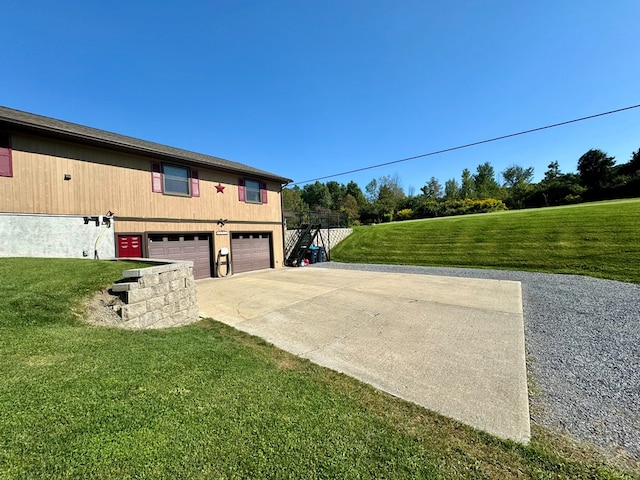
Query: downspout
x=284 y=247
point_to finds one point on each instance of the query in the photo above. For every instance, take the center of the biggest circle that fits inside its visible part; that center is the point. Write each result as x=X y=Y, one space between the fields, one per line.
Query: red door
x=129 y=246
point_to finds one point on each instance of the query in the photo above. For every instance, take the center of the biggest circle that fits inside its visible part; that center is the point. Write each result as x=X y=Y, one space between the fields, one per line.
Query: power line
x=460 y=147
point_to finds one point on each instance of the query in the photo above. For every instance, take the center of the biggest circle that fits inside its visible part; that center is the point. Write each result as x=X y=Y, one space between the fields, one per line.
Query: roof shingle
x=29 y=122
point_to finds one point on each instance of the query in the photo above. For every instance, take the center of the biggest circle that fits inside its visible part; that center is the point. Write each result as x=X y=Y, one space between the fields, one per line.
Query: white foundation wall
x=56 y=236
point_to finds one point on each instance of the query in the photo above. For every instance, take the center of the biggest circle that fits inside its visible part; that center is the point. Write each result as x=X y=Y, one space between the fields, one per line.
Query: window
x=6 y=166
x=252 y=191
x=176 y=179
x=252 y=194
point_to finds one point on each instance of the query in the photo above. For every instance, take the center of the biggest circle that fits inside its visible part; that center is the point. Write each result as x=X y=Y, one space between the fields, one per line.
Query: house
x=68 y=190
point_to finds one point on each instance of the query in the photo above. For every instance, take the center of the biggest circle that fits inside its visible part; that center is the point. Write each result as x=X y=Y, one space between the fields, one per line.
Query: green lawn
x=206 y=401
x=597 y=239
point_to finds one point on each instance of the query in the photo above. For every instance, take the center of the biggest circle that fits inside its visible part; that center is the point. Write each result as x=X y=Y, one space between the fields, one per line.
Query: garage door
x=183 y=247
x=250 y=251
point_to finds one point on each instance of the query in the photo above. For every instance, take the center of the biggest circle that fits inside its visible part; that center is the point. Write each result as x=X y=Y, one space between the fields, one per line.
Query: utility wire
x=460 y=147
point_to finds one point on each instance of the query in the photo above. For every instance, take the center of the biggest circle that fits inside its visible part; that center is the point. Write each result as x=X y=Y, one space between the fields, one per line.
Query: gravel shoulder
x=582 y=338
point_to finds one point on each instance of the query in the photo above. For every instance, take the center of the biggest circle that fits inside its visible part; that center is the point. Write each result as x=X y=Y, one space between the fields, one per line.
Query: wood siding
x=103 y=180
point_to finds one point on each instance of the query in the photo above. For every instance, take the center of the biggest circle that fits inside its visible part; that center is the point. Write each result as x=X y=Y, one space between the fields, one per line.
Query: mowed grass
x=206 y=401
x=597 y=239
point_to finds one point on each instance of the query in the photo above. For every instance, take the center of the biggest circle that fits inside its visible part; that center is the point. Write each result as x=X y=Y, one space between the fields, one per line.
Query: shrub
x=468 y=205
x=404 y=214
x=570 y=199
x=431 y=208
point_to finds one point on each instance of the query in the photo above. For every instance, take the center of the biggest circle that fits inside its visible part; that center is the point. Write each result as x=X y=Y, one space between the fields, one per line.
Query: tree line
x=384 y=200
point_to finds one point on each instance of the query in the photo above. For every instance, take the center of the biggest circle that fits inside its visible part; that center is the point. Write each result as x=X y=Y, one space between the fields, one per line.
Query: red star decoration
x=219 y=188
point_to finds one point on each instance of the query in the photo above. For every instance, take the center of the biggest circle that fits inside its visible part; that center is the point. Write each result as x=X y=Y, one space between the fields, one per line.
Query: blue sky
x=310 y=88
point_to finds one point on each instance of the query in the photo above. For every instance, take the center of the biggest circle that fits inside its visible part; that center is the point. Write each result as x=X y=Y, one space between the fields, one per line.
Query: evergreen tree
x=466 y=185
x=432 y=190
x=451 y=189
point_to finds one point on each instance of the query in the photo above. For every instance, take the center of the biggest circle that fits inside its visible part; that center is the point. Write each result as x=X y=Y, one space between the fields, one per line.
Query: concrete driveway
x=453 y=345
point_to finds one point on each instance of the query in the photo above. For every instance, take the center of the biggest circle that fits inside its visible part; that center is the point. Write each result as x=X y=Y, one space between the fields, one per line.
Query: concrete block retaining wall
x=330 y=238
x=159 y=296
x=333 y=237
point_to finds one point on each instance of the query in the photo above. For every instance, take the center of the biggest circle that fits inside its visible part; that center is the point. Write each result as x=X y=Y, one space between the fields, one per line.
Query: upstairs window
x=174 y=180
x=6 y=164
x=252 y=191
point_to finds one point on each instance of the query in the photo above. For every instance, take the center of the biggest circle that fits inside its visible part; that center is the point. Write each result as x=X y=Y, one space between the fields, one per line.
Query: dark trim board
x=193 y=220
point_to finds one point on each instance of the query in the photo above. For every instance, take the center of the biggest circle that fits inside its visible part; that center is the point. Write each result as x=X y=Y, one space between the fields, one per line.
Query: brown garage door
x=250 y=251
x=183 y=247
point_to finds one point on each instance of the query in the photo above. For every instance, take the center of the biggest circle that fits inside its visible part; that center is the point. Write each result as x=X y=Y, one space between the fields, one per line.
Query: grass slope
x=597 y=239
x=206 y=401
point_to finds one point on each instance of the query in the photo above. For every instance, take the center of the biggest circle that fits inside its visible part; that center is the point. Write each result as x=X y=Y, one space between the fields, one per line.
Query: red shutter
x=156 y=178
x=263 y=191
x=6 y=166
x=195 y=184
x=241 y=189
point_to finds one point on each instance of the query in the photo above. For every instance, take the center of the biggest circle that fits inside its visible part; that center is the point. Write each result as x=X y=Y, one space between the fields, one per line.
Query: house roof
x=31 y=123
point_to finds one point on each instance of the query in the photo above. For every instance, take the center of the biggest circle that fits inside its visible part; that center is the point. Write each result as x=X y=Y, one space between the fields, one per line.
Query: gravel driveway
x=583 y=345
